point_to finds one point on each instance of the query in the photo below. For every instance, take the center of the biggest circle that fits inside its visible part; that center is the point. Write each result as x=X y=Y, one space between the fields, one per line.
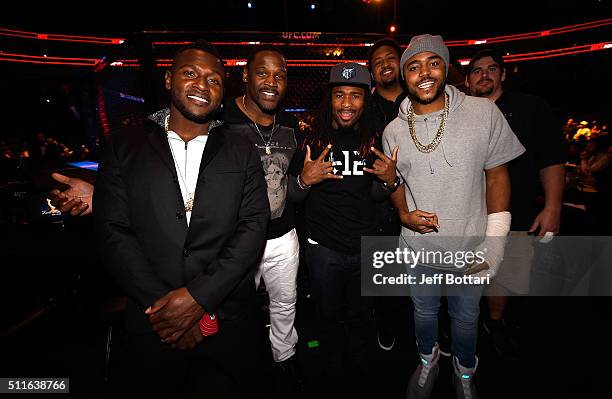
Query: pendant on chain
x=189 y=203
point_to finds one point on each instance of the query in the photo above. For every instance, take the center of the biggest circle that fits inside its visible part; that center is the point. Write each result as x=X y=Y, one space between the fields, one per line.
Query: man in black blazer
x=181 y=217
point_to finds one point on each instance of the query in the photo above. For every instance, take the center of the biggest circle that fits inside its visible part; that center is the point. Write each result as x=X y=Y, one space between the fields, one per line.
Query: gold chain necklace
x=268 y=143
x=190 y=196
x=437 y=139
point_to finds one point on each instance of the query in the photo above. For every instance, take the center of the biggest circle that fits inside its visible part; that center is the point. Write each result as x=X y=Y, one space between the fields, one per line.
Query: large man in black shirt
x=387 y=95
x=533 y=122
x=384 y=63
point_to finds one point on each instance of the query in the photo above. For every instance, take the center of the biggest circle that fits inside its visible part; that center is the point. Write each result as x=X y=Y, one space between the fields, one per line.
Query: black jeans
x=344 y=316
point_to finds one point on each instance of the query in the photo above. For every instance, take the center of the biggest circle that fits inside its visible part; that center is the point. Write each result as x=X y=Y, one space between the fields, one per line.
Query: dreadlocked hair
x=322 y=132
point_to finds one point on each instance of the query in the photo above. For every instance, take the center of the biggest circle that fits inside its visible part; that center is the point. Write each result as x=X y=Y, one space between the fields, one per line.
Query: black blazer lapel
x=213 y=145
x=161 y=148
x=159 y=142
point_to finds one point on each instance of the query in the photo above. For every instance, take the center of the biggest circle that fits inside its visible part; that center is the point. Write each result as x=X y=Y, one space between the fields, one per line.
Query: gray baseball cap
x=350 y=74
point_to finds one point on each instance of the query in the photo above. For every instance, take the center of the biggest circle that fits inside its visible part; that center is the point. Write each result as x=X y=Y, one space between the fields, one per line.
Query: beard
x=412 y=93
x=268 y=109
x=483 y=91
x=182 y=108
x=389 y=83
x=265 y=106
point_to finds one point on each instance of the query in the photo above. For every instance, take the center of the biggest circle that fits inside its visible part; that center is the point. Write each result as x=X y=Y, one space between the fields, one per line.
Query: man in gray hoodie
x=453 y=151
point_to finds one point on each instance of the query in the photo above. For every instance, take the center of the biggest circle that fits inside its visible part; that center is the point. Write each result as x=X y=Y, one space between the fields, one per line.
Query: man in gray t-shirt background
x=453 y=151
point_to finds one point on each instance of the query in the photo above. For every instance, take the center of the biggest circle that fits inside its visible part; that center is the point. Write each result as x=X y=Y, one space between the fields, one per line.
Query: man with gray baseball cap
x=339 y=188
x=453 y=151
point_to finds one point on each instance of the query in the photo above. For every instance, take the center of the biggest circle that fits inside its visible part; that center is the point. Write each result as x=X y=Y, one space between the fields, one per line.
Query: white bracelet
x=301 y=184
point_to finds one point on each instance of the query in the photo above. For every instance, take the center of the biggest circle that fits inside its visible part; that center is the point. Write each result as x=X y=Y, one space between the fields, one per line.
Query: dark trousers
x=224 y=365
x=344 y=316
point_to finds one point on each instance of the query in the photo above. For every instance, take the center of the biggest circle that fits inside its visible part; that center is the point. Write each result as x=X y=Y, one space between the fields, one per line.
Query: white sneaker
x=424 y=377
x=463 y=380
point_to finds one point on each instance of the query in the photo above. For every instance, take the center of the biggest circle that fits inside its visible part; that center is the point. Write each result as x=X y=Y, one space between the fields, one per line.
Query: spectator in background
x=45 y=152
x=388 y=93
x=533 y=122
x=594 y=160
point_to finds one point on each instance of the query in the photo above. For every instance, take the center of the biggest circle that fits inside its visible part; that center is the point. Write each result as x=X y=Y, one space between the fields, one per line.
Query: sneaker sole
x=444 y=353
x=385 y=348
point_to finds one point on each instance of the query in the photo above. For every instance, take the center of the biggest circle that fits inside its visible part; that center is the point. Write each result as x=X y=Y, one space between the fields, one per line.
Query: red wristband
x=208 y=325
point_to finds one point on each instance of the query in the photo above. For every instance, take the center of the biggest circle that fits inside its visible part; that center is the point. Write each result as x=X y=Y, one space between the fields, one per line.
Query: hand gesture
x=76 y=200
x=318 y=170
x=420 y=221
x=384 y=167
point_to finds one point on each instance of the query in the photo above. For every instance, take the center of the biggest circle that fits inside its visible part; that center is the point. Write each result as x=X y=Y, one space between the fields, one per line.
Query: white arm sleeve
x=498 y=226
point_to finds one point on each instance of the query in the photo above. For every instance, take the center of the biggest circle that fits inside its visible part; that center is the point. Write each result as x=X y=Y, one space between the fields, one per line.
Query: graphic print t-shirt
x=282 y=142
x=339 y=212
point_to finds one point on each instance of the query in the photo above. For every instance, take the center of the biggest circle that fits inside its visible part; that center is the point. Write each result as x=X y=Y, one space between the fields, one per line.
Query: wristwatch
x=391 y=188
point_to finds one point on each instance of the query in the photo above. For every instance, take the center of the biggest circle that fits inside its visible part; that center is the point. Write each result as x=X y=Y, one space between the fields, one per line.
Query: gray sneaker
x=463 y=380
x=424 y=377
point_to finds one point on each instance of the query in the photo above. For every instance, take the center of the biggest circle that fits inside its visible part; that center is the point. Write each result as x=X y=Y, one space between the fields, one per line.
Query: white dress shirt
x=187 y=158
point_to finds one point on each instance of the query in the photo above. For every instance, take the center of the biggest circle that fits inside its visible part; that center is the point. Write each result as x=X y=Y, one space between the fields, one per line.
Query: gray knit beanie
x=426 y=42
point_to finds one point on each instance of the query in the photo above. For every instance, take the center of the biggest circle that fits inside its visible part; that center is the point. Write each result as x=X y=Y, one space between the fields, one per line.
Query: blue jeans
x=463 y=311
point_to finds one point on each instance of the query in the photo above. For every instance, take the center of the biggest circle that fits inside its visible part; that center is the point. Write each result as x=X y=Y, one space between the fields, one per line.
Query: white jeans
x=279 y=266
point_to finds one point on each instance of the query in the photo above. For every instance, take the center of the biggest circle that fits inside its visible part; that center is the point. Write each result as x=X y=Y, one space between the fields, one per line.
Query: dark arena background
x=70 y=75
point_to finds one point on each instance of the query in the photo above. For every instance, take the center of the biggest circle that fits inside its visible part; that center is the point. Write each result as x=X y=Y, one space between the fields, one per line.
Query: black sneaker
x=501 y=339
x=386 y=339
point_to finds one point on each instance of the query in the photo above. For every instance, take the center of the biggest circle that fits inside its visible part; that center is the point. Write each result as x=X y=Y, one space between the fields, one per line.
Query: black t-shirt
x=282 y=146
x=535 y=125
x=386 y=110
x=339 y=212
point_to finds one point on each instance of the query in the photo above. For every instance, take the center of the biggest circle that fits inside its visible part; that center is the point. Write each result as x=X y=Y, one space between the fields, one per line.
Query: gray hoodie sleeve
x=388 y=144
